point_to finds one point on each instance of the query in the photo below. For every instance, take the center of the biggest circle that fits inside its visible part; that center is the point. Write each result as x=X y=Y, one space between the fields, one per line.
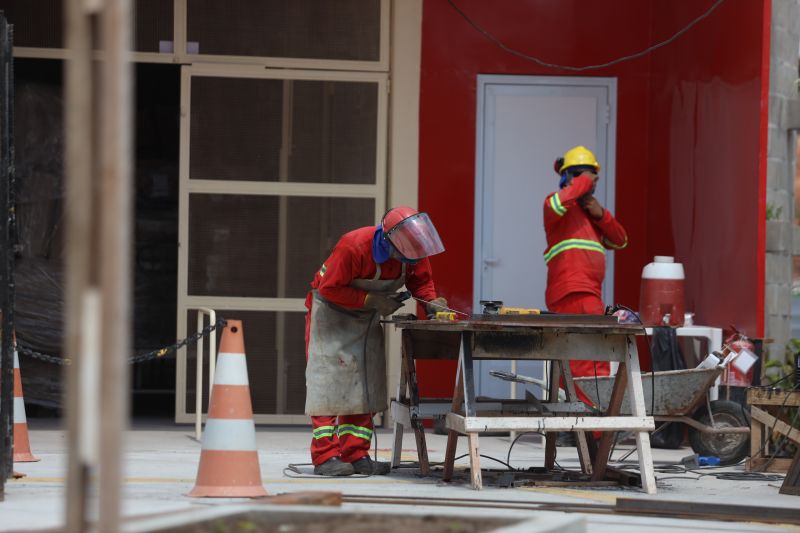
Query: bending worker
x=579 y=230
x=346 y=362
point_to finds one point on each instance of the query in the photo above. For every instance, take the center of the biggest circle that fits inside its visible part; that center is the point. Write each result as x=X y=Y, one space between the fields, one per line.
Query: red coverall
x=575 y=257
x=349 y=437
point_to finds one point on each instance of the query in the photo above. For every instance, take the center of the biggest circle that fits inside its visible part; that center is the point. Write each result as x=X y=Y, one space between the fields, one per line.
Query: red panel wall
x=652 y=140
x=706 y=179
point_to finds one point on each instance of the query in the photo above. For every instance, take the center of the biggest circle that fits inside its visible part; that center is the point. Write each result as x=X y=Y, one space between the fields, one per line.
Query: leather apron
x=346 y=368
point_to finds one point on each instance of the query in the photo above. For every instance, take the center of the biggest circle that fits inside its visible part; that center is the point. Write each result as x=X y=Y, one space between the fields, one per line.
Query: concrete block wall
x=781 y=157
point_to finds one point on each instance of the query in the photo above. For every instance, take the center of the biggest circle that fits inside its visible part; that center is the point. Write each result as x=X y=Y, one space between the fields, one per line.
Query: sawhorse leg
x=464 y=399
x=552 y=397
x=410 y=371
x=604 y=450
x=583 y=447
x=402 y=391
x=452 y=435
x=636 y=395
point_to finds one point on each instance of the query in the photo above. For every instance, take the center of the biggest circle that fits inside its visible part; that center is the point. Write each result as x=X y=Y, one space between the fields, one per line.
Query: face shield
x=416 y=237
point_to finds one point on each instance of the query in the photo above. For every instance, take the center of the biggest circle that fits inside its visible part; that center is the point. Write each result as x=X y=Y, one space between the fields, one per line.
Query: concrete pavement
x=162 y=458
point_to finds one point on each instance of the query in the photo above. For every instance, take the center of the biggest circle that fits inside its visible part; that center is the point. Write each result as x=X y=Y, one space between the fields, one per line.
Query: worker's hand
x=383 y=303
x=592 y=206
x=435 y=305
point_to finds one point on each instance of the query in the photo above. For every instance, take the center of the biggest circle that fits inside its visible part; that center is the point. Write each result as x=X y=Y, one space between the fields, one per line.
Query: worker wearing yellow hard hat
x=579 y=230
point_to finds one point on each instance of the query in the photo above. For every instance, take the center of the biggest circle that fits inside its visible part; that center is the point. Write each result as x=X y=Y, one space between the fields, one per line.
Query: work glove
x=383 y=303
x=440 y=305
x=590 y=204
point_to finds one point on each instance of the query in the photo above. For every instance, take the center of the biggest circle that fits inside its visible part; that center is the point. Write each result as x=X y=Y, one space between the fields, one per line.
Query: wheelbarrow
x=720 y=428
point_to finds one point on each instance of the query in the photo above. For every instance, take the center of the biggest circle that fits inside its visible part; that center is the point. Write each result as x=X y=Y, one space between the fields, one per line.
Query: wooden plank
x=773 y=397
x=474 y=462
x=434 y=344
x=554 y=323
x=707 y=510
x=550 y=450
x=635 y=393
x=604 y=450
x=779 y=465
x=429 y=408
x=774 y=424
x=480 y=424
x=468 y=373
x=400 y=412
x=791 y=484
x=756 y=437
x=413 y=392
x=452 y=436
x=583 y=447
x=321 y=498
x=548 y=345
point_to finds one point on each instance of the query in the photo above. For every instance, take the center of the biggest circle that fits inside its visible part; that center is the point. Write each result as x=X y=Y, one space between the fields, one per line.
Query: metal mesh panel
x=152 y=23
x=263 y=350
x=334 y=132
x=233 y=122
x=265 y=246
x=308 y=29
x=37 y=23
x=241 y=131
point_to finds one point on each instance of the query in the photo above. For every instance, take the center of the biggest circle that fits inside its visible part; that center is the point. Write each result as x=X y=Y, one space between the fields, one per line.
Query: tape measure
x=518 y=311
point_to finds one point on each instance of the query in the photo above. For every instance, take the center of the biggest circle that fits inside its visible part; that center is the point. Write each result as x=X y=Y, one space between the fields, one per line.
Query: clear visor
x=416 y=237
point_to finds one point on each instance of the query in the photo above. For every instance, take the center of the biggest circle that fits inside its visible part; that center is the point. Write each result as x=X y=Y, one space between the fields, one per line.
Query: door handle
x=491 y=261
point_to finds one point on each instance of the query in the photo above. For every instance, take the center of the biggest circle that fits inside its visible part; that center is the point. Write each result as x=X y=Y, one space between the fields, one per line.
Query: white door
x=523 y=124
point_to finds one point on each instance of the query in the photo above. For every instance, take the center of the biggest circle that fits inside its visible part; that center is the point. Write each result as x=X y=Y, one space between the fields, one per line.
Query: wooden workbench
x=558 y=338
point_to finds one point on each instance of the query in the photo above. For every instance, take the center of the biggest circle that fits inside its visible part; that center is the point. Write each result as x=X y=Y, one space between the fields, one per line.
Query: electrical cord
x=490 y=37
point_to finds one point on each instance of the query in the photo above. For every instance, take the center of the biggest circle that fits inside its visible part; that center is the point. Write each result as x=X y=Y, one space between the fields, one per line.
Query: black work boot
x=368 y=467
x=333 y=467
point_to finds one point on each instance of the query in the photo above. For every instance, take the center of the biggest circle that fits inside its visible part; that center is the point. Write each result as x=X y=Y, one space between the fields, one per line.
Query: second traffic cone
x=22 y=445
x=229 y=459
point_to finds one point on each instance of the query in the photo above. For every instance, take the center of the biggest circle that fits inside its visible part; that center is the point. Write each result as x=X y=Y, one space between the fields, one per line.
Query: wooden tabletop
x=586 y=324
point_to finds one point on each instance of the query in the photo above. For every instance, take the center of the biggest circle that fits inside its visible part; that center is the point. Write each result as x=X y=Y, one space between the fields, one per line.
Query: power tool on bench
x=496 y=308
x=445 y=314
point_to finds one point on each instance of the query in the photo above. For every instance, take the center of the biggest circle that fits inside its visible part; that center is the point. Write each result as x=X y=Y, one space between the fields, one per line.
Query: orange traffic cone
x=22 y=446
x=229 y=459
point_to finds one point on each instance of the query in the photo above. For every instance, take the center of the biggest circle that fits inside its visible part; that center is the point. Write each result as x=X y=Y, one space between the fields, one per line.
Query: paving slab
x=161 y=464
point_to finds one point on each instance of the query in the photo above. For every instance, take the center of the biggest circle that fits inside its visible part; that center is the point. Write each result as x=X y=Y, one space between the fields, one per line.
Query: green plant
x=776 y=369
x=774 y=211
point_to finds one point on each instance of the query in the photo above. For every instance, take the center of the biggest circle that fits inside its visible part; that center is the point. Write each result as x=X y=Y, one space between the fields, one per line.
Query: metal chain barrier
x=141 y=358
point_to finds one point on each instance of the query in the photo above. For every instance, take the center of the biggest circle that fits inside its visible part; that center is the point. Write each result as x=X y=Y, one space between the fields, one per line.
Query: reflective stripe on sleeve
x=573 y=244
x=555 y=204
x=356 y=431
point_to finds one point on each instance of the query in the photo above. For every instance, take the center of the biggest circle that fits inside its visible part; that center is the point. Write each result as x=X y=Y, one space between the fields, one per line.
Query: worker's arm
x=614 y=235
x=336 y=275
x=567 y=198
x=419 y=280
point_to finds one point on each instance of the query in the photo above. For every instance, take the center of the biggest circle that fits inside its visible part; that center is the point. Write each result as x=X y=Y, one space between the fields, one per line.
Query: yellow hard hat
x=579 y=156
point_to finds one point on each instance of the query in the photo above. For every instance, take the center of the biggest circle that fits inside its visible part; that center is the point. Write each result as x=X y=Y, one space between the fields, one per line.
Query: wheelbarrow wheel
x=730 y=448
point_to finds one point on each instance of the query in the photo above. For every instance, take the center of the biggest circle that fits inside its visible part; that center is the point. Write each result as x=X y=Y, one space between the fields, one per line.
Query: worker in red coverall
x=346 y=362
x=579 y=230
